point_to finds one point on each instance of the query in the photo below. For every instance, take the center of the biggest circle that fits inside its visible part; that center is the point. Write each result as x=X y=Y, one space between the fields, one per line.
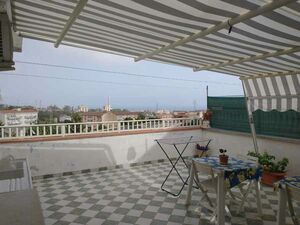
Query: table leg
x=180 y=156
x=190 y=185
x=221 y=199
x=281 y=206
x=258 y=198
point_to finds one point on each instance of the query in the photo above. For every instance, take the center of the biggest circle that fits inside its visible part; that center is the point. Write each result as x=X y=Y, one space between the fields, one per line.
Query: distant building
x=193 y=114
x=91 y=116
x=122 y=115
x=98 y=117
x=184 y=114
x=179 y=114
x=82 y=108
x=107 y=107
x=163 y=111
x=63 y=118
x=163 y=114
x=18 y=117
x=107 y=116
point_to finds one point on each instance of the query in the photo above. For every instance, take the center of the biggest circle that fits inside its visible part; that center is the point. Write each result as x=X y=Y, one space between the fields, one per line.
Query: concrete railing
x=65 y=129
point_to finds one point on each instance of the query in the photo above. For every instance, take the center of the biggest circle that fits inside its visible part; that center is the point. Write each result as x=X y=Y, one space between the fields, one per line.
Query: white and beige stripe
x=280 y=93
x=137 y=27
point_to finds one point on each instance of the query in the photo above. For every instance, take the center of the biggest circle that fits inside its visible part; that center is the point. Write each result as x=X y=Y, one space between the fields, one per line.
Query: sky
x=92 y=88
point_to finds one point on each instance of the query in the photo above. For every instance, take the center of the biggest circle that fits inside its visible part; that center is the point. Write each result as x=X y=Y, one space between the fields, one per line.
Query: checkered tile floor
x=133 y=196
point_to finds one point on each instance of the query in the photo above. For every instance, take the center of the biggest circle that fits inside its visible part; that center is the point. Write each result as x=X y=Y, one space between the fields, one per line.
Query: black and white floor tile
x=132 y=195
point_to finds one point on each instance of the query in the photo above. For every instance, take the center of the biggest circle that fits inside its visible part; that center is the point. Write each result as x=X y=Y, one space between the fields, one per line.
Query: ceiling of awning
x=264 y=40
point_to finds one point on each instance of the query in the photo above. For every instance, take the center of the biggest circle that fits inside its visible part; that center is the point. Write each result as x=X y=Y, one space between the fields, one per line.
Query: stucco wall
x=72 y=155
x=239 y=143
x=79 y=154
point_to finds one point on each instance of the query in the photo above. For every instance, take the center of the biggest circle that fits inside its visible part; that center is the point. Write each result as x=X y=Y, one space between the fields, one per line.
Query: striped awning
x=264 y=37
x=280 y=93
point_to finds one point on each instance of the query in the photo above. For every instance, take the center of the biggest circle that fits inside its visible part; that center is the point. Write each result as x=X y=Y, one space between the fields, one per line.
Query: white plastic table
x=234 y=166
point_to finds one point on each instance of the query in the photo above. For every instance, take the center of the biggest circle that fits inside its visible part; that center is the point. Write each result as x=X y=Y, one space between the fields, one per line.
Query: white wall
x=237 y=143
x=73 y=155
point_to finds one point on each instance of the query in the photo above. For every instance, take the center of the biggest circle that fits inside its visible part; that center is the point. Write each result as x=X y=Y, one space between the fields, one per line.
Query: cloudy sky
x=34 y=84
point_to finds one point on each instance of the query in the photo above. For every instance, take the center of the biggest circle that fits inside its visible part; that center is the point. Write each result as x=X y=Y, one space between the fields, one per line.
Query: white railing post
x=63 y=130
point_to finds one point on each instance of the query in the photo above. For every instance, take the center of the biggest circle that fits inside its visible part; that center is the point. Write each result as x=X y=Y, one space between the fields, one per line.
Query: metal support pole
x=207 y=97
x=251 y=121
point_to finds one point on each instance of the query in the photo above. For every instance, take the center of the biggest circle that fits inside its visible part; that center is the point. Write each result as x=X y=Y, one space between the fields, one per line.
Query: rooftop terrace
x=114 y=176
x=132 y=196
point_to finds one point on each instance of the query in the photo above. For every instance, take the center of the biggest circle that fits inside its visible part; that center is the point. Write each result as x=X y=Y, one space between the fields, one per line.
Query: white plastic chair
x=207 y=184
x=293 y=193
x=246 y=186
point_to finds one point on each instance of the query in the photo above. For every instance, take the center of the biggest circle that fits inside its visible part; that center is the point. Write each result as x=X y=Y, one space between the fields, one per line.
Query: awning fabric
x=279 y=93
x=268 y=43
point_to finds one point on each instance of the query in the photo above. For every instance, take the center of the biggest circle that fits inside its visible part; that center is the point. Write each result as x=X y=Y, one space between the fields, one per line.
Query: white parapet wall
x=55 y=157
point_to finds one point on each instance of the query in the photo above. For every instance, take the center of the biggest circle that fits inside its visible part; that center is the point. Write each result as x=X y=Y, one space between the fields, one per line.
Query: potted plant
x=223 y=157
x=201 y=150
x=273 y=170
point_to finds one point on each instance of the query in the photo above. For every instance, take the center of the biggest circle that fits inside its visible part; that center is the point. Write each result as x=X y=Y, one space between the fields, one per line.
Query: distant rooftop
x=18 y=110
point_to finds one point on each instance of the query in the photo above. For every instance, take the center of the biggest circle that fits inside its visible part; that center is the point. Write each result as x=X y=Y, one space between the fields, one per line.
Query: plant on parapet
x=207 y=115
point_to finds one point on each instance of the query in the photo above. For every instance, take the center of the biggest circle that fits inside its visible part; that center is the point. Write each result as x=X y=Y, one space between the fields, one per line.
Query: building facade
x=82 y=108
x=122 y=115
x=63 y=118
x=18 y=117
x=91 y=116
x=107 y=116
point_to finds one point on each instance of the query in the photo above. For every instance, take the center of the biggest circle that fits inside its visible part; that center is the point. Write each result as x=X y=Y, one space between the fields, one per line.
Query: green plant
x=207 y=115
x=269 y=162
x=222 y=151
x=76 y=118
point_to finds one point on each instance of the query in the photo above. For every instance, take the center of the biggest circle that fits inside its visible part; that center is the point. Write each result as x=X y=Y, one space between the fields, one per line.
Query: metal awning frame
x=226 y=24
x=76 y=12
x=249 y=59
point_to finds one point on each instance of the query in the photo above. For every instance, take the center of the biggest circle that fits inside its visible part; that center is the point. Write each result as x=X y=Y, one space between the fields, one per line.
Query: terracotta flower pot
x=269 y=178
x=223 y=159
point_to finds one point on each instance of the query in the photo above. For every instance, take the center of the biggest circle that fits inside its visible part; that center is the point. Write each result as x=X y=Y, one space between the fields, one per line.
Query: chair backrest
x=247 y=158
x=293 y=192
x=203 y=169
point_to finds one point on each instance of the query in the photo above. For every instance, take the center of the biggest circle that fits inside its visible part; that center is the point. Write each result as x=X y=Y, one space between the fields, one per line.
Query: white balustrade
x=67 y=129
